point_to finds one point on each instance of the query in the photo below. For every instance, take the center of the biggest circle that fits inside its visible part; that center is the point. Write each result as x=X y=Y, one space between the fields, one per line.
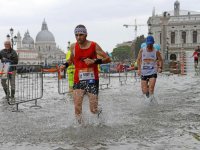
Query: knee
x=94 y=111
x=78 y=110
x=93 y=108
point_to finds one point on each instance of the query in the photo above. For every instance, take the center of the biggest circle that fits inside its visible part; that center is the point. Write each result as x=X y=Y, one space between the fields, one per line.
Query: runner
x=86 y=80
x=70 y=72
x=148 y=67
x=196 y=59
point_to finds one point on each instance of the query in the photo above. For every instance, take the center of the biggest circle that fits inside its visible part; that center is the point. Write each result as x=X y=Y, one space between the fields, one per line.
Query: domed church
x=43 y=51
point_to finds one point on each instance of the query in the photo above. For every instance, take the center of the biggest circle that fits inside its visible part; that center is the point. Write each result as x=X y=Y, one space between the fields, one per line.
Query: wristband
x=66 y=64
x=98 y=61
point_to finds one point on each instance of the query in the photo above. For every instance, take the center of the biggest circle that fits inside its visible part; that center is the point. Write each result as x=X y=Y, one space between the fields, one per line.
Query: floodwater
x=125 y=124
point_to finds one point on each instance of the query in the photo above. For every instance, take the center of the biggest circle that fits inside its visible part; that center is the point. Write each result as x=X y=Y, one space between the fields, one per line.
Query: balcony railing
x=188 y=45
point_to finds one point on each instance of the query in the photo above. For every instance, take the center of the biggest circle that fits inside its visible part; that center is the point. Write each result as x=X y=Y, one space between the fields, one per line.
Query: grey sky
x=104 y=19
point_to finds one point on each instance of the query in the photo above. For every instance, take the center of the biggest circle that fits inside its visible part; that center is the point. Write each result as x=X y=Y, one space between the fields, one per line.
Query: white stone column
x=189 y=36
x=178 y=37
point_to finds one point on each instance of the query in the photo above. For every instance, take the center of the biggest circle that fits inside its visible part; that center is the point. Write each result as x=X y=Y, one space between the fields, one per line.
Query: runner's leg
x=93 y=100
x=144 y=86
x=92 y=91
x=78 y=100
x=152 y=82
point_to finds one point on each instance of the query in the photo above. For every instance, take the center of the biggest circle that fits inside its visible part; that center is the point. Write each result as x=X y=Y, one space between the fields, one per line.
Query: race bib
x=86 y=75
x=148 y=67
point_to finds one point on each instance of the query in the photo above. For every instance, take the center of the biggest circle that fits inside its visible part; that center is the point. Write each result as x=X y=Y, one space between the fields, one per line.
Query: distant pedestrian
x=9 y=55
x=196 y=58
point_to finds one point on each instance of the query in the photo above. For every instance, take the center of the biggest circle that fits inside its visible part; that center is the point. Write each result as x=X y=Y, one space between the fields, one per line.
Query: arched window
x=194 y=36
x=184 y=37
x=173 y=57
x=172 y=37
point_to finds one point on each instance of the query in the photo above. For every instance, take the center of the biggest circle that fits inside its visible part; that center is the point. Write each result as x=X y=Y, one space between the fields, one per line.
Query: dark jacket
x=9 y=56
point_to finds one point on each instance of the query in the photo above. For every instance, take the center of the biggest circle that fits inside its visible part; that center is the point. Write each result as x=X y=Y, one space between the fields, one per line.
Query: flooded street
x=125 y=124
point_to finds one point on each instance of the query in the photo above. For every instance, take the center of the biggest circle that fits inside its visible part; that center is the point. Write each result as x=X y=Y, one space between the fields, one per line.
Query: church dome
x=27 y=39
x=177 y=2
x=44 y=35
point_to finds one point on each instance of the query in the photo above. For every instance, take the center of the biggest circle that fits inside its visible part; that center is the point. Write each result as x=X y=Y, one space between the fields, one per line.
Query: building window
x=184 y=37
x=173 y=57
x=160 y=38
x=172 y=37
x=194 y=36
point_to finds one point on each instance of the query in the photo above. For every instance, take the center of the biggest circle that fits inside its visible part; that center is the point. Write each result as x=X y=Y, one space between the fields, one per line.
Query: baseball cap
x=149 y=40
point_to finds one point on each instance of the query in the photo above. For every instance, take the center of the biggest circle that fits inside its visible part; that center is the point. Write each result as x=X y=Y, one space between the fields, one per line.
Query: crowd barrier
x=63 y=85
x=28 y=84
x=104 y=79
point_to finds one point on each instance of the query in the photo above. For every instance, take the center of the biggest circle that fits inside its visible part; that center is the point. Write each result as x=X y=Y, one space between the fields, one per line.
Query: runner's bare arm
x=160 y=60
x=70 y=60
x=105 y=58
x=139 y=58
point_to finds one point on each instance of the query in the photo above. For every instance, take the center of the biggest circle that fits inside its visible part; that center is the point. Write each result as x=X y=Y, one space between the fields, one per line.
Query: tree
x=137 y=45
x=121 y=53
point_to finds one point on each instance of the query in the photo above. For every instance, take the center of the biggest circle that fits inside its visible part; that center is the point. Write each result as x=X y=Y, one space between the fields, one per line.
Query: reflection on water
x=126 y=123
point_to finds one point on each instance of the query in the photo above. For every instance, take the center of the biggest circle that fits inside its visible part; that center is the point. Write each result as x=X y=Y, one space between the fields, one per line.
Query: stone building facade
x=181 y=31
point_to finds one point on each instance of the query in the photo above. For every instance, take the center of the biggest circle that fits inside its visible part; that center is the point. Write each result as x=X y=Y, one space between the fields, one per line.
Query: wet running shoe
x=99 y=112
x=147 y=94
x=79 y=119
x=12 y=100
x=152 y=100
x=146 y=99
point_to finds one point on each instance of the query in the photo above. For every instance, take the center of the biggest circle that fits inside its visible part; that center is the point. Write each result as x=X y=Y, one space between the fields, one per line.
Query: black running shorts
x=88 y=86
x=146 y=78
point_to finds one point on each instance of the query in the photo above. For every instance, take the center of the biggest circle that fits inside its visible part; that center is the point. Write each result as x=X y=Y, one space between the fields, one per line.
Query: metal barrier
x=63 y=85
x=123 y=77
x=197 y=70
x=28 y=84
x=133 y=74
x=104 y=79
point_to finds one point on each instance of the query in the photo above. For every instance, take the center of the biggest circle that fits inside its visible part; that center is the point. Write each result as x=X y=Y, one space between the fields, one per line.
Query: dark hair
x=80 y=26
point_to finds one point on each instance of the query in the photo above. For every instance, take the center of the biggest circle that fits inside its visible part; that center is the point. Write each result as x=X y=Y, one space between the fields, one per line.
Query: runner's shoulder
x=72 y=45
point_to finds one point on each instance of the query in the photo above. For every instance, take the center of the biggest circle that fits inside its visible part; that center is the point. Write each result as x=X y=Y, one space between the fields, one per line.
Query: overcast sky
x=104 y=19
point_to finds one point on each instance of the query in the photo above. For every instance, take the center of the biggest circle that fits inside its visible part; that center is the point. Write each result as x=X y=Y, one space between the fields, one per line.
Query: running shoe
x=99 y=112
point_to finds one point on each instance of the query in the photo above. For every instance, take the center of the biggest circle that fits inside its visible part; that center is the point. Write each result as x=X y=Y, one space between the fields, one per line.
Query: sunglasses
x=79 y=34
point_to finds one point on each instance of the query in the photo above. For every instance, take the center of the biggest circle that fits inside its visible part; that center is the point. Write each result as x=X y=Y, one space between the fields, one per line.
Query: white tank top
x=148 y=68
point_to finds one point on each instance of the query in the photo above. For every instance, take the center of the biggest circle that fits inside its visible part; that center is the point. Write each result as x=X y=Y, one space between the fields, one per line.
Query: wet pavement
x=126 y=122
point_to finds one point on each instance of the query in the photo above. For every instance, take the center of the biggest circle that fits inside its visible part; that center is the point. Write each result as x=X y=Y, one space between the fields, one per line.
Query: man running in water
x=86 y=79
x=149 y=63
